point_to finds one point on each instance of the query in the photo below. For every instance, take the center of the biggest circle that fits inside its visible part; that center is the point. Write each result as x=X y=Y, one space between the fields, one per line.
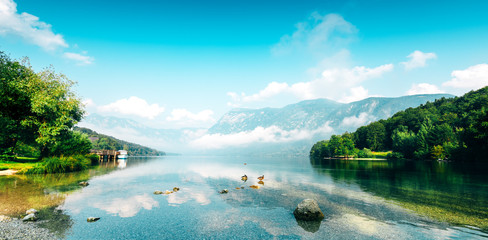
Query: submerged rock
x=261 y=182
x=254 y=186
x=176 y=189
x=92 y=219
x=308 y=210
x=158 y=192
x=30 y=217
x=31 y=211
x=168 y=192
x=309 y=226
x=224 y=191
x=84 y=184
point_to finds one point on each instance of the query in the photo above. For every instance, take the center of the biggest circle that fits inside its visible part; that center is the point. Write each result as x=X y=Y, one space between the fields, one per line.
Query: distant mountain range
x=289 y=130
x=104 y=142
x=312 y=114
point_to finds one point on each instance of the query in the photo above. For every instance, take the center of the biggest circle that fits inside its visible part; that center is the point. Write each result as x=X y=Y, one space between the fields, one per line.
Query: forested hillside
x=448 y=128
x=105 y=142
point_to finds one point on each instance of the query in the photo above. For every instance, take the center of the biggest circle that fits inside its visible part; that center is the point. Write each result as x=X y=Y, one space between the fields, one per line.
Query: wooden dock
x=105 y=155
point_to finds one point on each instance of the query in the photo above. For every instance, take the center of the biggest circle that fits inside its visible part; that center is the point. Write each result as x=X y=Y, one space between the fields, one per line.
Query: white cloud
x=336 y=83
x=185 y=115
x=317 y=34
x=271 y=134
x=423 y=88
x=88 y=102
x=418 y=59
x=358 y=121
x=355 y=94
x=133 y=106
x=81 y=59
x=474 y=77
x=28 y=27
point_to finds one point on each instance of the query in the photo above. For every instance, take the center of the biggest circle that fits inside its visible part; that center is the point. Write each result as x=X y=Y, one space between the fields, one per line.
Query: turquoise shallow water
x=128 y=209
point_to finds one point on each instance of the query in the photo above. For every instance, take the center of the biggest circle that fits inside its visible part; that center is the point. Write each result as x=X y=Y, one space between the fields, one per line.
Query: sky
x=183 y=64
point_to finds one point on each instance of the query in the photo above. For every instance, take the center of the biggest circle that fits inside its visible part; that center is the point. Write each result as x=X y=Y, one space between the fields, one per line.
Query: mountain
x=290 y=130
x=448 y=128
x=169 y=140
x=104 y=142
x=312 y=114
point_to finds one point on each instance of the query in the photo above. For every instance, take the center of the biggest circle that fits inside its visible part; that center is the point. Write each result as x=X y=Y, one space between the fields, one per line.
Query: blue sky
x=173 y=64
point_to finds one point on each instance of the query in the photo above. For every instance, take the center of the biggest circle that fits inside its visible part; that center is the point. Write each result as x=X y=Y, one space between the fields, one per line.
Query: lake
x=360 y=199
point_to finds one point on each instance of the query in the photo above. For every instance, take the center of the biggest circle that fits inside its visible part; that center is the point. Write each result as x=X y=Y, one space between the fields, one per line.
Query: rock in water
x=92 y=219
x=32 y=210
x=30 y=217
x=84 y=184
x=176 y=189
x=308 y=210
x=158 y=192
x=224 y=191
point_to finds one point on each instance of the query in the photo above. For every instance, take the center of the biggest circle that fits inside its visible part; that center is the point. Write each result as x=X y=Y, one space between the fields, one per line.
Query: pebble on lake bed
x=224 y=191
x=92 y=219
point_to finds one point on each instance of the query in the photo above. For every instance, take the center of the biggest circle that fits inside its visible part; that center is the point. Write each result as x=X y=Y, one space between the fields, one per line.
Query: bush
x=60 y=165
x=72 y=143
x=7 y=158
x=365 y=153
x=394 y=155
x=94 y=159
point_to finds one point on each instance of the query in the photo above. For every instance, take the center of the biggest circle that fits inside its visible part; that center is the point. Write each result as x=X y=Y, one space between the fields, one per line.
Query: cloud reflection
x=181 y=197
x=129 y=207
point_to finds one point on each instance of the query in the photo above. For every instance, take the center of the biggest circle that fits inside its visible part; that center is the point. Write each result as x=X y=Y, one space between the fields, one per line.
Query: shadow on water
x=447 y=192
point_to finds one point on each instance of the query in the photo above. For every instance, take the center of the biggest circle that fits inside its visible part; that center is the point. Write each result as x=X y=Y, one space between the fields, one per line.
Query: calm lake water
x=360 y=199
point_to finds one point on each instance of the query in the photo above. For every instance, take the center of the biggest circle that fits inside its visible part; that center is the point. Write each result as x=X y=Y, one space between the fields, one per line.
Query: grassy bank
x=17 y=163
x=61 y=164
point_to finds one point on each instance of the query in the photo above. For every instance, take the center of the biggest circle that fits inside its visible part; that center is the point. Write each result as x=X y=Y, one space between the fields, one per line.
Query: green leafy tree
x=36 y=108
x=71 y=143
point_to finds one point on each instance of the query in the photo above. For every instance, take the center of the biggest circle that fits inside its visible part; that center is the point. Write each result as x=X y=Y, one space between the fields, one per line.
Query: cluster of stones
x=31 y=215
x=175 y=189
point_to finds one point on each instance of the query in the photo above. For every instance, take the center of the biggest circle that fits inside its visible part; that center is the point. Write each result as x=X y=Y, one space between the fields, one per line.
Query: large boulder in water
x=308 y=210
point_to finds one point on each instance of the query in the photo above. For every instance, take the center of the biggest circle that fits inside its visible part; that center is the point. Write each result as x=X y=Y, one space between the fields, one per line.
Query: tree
x=16 y=82
x=36 y=108
x=375 y=136
x=71 y=143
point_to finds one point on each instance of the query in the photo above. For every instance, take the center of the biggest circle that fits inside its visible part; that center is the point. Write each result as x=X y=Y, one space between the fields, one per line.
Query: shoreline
x=358 y=159
x=14 y=228
x=8 y=172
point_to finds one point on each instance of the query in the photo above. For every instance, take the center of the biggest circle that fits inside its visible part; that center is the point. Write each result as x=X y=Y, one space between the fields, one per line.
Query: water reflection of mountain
x=448 y=192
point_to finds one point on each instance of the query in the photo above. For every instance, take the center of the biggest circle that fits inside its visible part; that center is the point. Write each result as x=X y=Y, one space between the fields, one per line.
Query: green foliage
x=404 y=142
x=72 y=143
x=104 y=142
x=61 y=165
x=395 y=155
x=93 y=158
x=337 y=146
x=453 y=128
x=36 y=109
x=365 y=153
